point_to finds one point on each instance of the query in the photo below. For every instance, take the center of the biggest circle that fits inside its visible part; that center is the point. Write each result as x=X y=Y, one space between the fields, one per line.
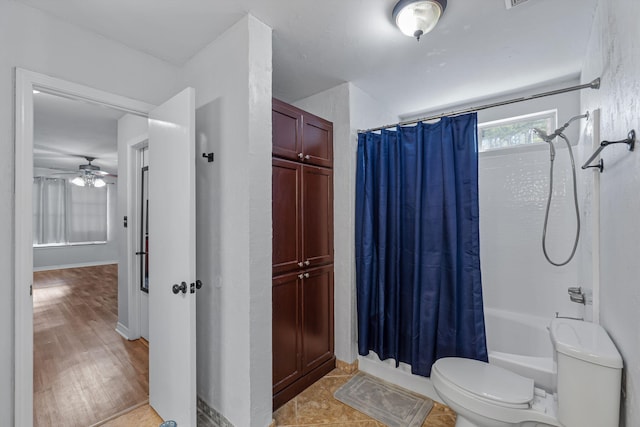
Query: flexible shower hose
x=575 y=201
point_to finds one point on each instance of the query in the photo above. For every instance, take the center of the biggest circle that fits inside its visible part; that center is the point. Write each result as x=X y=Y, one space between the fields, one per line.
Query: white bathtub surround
x=401 y=376
x=520 y=343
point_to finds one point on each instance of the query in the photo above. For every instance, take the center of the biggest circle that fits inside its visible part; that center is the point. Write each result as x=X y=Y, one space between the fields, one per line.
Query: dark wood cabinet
x=302 y=293
x=302 y=216
x=303 y=317
x=317 y=317
x=317 y=216
x=287 y=215
x=287 y=321
x=302 y=136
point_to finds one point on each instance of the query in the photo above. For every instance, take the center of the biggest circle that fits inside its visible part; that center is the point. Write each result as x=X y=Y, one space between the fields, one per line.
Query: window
x=515 y=131
x=65 y=214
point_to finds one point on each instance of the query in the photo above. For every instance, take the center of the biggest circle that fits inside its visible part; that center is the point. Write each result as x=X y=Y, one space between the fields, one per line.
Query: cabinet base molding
x=303 y=383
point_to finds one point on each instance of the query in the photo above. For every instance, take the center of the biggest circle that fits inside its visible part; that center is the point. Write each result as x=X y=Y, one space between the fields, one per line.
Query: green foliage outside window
x=513 y=132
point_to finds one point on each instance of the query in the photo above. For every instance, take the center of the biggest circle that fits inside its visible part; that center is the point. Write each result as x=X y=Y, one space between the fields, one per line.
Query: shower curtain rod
x=595 y=84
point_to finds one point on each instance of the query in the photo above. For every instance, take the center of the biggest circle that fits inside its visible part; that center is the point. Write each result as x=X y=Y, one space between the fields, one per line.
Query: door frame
x=26 y=82
x=134 y=149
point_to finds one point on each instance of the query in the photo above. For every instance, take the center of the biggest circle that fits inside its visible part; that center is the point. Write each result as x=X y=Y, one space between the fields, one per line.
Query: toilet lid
x=485 y=380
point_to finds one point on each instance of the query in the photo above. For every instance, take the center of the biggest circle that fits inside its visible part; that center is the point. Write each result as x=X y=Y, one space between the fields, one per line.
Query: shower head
x=547 y=138
x=543 y=135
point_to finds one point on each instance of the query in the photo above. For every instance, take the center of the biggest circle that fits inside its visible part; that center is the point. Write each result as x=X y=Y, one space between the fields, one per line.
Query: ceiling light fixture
x=418 y=17
x=88 y=180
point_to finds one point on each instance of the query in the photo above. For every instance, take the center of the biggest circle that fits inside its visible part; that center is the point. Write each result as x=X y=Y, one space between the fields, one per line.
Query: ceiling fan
x=89 y=175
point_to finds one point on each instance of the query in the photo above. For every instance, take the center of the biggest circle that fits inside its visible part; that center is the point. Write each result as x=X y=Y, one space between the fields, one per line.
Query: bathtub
x=520 y=343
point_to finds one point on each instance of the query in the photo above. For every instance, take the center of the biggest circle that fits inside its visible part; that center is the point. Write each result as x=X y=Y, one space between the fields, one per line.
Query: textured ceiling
x=66 y=131
x=479 y=49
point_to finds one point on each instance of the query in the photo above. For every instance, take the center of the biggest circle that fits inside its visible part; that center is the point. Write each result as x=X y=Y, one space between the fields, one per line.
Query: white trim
x=401 y=376
x=68 y=245
x=23 y=268
x=123 y=331
x=134 y=161
x=522 y=117
x=595 y=230
x=76 y=265
x=26 y=81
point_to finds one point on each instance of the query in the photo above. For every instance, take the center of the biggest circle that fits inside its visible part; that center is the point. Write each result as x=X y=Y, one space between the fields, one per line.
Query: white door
x=172 y=316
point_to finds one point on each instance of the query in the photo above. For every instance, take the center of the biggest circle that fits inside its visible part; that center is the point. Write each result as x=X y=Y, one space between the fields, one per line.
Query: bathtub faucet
x=566 y=317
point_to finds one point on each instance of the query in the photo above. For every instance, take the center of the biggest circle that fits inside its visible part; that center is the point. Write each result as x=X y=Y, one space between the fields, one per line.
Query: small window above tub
x=515 y=131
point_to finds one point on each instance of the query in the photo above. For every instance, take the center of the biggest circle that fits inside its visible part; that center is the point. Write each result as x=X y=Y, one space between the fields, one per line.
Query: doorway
x=84 y=371
x=172 y=314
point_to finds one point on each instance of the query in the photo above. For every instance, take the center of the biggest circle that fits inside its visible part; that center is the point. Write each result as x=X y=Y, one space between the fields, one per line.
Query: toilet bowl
x=485 y=395
x=588 y=376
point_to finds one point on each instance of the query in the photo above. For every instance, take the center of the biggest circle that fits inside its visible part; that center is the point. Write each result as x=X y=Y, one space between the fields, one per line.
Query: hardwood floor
x=84 y=371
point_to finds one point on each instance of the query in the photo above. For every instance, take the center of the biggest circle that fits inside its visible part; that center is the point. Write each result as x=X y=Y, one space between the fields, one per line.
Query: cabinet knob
x=300 y=264
x=307 y=263
x=307 y=157
x=306 y=275
x=300 y=276
x=300 y=156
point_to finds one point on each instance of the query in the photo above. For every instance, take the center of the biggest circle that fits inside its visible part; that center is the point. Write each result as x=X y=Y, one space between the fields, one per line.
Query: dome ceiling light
x=418 y=17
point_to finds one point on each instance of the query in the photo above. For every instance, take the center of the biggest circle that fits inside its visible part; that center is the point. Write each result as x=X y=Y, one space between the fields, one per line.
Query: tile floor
x=316 y=407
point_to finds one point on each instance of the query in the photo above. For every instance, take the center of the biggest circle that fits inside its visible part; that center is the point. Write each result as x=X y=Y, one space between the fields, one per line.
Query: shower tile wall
x=513 y=193
x=513 y=196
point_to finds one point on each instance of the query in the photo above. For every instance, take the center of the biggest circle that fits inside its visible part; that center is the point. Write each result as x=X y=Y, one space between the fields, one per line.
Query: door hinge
x=30 y=290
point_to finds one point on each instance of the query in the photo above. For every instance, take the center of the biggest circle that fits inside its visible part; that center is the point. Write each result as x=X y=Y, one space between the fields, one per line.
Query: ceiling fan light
x=99 y=182
x=417 y=17
x=79 y=181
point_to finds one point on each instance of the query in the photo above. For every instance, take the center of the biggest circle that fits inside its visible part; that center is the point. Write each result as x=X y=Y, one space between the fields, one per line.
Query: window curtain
x=419 y=292
x=49 y=211
x=64 y=213
x=87 y=214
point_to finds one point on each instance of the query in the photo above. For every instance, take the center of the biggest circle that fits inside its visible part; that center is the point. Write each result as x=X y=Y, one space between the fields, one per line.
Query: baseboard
x=401 y=376
x=121 y=413
x=122 y=330
x=348 y=368
x=214 y=416
x=78 y=265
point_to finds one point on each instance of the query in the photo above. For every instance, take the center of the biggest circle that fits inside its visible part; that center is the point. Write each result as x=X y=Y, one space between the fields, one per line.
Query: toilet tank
x=589 y=374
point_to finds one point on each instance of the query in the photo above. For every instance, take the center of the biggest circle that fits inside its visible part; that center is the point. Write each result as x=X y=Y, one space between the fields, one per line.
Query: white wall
x=54 y=257
x=31 y=39
x=232 y=78
x=614 y=53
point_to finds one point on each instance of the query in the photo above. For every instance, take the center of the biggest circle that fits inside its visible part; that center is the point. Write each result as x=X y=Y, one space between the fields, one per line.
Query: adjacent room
x=84 y=369
x=261 y=213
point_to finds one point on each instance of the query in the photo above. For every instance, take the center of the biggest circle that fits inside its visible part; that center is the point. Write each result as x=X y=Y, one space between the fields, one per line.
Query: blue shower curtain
x=419 y=291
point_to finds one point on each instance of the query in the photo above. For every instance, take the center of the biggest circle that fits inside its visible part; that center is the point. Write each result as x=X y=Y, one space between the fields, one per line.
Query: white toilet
x=589 y=374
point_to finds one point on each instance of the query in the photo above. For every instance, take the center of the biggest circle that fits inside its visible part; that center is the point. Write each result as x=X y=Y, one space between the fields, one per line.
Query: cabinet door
x=286 y=131
x=287 y=330
x=317 y=215
x=317 y=317
x=317 y=141
x=286 y=205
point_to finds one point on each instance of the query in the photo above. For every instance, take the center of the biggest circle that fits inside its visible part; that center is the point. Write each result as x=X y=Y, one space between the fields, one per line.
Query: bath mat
x=387 y=403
